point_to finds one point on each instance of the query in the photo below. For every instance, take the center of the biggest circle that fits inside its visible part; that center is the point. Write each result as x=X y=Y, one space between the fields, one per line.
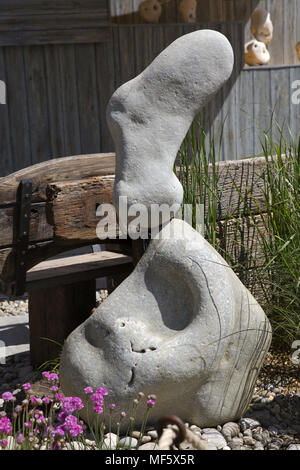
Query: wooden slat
x=105 y=83
x=17 y=107
x=40 y=229
x=38 y=7
x=241 y=240
x=76 y=269
x=68 y=83
x=61 y=169
x=88 y=106
x=281 y=97
x=35 y=74
x=54 y=36
x=262 y=105
x=55 y=101
x=245 y=114
x=6 y=160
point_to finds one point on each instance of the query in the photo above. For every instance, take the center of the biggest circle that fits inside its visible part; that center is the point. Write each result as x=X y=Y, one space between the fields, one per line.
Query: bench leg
x=54 y=313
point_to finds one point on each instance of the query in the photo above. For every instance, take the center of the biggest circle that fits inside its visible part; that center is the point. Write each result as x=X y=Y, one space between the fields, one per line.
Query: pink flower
x=88 y=390
x=46 y=400
x=70 y=404
x=27 y=386
x=50 y=376
x=58 y=431
x=102 y=391
x=7 y=396
x=27 y=424
x=59 y=397
x=54 y=388
x=62 y=416
x=112 y=406
x=98 y=408
x=4 y=443
x=5 y=425
x=71 y=425
x=20 y=438
x=150 y=403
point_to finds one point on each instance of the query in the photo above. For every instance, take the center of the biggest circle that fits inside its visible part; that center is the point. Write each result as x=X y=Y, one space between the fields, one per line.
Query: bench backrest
x=65 y=193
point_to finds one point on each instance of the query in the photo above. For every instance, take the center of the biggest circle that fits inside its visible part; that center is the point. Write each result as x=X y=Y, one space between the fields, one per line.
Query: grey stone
x=235 y=443
x=129 y=442
x=149 y=446
x=214 y=438
x=248 y=423
x=249 y=441
x=150 y=115
x=153 y=434
x=110 y=441
x=182 y=326
x=293 y=447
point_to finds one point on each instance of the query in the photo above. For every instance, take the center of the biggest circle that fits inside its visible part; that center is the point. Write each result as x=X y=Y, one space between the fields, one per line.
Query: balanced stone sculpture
x=182 y=326
x=150 y=115
x=256 y=53
x=262 y=26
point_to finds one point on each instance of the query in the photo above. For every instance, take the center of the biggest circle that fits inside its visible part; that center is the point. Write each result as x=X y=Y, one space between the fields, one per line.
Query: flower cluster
x=33 y=422
x=70 y=425
x=97 y=398
x=5 y=426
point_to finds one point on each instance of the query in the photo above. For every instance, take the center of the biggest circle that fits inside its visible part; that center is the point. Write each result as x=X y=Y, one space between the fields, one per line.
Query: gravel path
x=271 y=423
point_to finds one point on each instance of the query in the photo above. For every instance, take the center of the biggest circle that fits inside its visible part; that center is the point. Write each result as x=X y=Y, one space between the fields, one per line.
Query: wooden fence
x=58 y=89
x=285 y=16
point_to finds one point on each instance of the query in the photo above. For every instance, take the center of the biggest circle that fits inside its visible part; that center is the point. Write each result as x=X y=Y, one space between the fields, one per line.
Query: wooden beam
x=78 y=268
x=59 y=169
x=73 y=208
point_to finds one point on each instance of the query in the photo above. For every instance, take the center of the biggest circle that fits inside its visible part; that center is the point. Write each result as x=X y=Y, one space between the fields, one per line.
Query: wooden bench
x=46 y=210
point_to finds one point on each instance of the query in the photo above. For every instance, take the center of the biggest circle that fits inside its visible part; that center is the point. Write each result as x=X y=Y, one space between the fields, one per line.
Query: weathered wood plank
x=55 y=101
x=61 y=169
x=40 y=229
x=76 y=268
x=63 y=309
x=38 y=7
x=17 y=107
x=37 y=102
x=88 y=106
x=6 y=160
x=262 y=109
x=73 y=209
x=281 y=97
x=240 y=242
x=105 y=84
x=54 y=36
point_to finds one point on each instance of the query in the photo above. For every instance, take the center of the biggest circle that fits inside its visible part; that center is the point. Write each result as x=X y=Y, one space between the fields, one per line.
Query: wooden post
x=54 y=313
x=138 y=249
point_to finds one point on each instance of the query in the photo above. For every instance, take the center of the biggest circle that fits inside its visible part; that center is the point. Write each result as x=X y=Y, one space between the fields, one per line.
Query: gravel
x=272 y=421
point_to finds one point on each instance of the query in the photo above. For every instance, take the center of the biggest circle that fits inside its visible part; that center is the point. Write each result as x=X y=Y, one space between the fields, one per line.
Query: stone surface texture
x=150 y=115
x=181 y=326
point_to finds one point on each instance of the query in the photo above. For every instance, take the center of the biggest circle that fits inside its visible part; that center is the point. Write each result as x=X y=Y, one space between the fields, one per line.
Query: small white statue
x=150 y=11
x=256 y=53
x=262 y=26
x=298 y=49
x=188 y=11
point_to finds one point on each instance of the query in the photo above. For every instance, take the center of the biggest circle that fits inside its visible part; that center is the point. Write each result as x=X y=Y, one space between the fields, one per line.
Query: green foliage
x=279 y=210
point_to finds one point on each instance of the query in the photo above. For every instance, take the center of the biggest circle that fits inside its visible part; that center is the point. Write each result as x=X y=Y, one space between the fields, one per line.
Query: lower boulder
x=182 y=326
